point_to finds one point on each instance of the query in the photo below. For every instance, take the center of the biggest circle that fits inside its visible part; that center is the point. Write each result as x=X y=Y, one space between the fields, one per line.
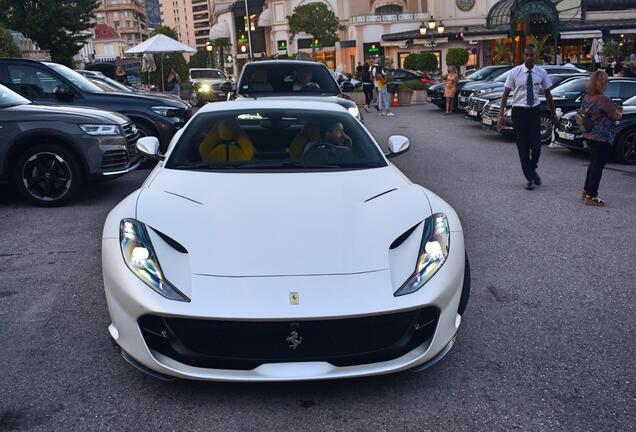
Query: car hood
x=208 y=80
x=146 y=98
x=276 y=224
x=480 y=85
x=65 y=112
x=340 y=100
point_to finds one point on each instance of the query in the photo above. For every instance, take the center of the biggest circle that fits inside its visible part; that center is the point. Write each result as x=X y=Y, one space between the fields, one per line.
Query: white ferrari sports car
x=275 y=241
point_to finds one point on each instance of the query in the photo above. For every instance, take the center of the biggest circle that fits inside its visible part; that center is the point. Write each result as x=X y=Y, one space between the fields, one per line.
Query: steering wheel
x=311 y=85
x=320 y=149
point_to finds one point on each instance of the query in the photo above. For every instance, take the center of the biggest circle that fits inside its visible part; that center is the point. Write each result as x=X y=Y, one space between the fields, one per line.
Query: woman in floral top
x=600 y=138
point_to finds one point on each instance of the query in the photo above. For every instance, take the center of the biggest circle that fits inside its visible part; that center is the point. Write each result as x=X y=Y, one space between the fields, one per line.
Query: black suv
x=567 y=97
x=49 y=152
x=293 y=79
x=435 y=93
x=54 y=84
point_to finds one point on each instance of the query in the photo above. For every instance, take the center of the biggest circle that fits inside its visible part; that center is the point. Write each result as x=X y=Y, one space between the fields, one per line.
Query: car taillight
x=425 y=80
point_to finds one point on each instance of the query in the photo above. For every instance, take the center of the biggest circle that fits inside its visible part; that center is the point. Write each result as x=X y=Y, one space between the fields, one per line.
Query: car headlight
x=100 y=129
x=166 y=111
x=433 y=253
x=354 y=111
x=205 y=88
x=483 y=91
x=141 y=259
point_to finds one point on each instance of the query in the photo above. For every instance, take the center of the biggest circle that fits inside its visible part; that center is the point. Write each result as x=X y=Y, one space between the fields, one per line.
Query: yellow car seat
x=309 y=132
x=226 y=142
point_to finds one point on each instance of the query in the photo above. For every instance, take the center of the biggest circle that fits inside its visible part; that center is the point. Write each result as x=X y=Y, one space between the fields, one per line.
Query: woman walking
x=451 y=87
x=367 y=86
x=174 y=81
x=383 y=95
x=600 y=136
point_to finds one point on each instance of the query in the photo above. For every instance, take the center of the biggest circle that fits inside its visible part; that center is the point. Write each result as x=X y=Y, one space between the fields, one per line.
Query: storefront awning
x=581 y=34
x=623 y=31
x=393 y=43
x=265 y=18
x=219 y=31
x=428 y=41
x=485 y=37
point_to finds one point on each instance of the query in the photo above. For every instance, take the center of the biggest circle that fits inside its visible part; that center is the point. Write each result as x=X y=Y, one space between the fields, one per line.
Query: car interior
x=272 y=137
x=286 y=79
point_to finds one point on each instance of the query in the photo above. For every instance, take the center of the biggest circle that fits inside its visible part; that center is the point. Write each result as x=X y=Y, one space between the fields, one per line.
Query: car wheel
x=625 y=147
x=48 y=175
x=545 y=127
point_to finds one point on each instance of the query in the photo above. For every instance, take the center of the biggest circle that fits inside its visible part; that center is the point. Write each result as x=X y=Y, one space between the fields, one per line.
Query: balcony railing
x=365 y=19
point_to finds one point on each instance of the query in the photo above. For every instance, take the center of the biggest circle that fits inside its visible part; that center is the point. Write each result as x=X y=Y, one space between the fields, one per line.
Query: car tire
x=463 y=300
x=48 y=175
x=625 y=147
x=545 y=126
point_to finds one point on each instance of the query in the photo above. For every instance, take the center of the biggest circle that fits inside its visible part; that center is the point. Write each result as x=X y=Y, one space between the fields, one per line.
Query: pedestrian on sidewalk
x=602 y=113
x=367 y=86
x=375 y=69
x=451 y=87
x=526 y=81
x=383 y=95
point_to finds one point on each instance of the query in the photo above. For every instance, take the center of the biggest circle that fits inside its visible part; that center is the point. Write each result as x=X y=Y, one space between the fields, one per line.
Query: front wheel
x=545 y=128
x=625 y=147
x=48 y=175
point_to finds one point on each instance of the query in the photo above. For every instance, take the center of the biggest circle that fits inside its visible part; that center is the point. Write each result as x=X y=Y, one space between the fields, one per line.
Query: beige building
x=126 y=17
x=189 y=18
x=108 y=45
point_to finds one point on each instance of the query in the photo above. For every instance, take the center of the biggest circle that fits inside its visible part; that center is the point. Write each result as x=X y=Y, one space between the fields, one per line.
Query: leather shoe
x=536 y=179
x=530 y=185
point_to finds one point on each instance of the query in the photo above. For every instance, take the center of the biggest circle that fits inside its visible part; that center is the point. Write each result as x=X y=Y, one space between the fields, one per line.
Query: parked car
x=54 y=84
x=109 y=84
x=567 y=97
x=569 y=135
x=49 y=152
x=400 y=76
x=477 y=101
x=293 y=79
x=248 y=258
x=435 y=93
x=484 y=87
x=206 y=84
x=340 y=78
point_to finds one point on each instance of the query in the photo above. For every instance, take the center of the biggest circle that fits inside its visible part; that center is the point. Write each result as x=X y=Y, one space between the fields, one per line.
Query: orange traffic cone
x=396 y=102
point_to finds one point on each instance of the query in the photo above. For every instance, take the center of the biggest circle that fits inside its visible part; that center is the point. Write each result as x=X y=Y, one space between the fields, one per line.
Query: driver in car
x=303 y=80
x=333 y=146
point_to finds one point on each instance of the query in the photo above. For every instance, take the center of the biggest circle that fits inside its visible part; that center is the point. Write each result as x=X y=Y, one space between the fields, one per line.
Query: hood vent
x=184 y=197
x=173 y=243
x=401 y=239
x=380 y=194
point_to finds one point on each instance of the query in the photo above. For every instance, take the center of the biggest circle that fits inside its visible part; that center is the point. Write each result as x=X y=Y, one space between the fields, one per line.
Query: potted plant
x=404 y=95
x=418 y=91
x=357 y=95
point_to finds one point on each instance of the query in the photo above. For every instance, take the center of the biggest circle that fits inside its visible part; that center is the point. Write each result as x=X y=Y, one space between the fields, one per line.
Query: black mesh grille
x=243 y=345
x=114 y=159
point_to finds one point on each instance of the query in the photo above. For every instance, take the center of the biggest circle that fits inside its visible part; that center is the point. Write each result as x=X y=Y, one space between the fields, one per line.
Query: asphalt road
x=547 y=342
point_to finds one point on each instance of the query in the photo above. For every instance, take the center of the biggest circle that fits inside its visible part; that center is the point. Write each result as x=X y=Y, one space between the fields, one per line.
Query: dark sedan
x=567 y=97
x=569 y=135
x=400 y=76
x=435 y=93
x=48 y=152
x=54 y=84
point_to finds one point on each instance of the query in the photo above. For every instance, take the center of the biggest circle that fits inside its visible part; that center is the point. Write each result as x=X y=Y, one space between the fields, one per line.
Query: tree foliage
x=457 y=57
x=55 y=25
x=502 y=52
x=421 y=62
x=317 y=20
x=175 y=60
x=542 y=46
x=8 y=48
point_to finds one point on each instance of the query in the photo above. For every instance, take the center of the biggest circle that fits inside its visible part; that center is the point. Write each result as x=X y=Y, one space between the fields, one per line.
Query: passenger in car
x=303 y=80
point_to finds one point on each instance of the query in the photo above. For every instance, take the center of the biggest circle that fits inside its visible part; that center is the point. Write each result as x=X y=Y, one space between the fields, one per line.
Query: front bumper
x=262 y=304
x=490 y=123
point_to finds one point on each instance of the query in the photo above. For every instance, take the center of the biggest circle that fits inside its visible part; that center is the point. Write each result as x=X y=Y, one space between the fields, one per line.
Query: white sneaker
x=382 y=114
x=390 y=114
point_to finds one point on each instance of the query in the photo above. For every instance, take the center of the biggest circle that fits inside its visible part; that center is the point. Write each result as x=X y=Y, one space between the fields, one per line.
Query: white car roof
x=271 y=103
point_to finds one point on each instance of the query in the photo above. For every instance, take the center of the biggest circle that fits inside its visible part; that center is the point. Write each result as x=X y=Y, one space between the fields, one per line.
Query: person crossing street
x=526 y=81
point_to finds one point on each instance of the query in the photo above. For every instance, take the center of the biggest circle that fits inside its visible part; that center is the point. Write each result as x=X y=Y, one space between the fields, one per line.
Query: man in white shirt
x=526 y=81
x=568 y=63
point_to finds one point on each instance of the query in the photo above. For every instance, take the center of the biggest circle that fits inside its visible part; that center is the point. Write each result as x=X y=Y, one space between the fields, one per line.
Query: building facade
x=492 y=31
x=108 y=45
x=189 y=18
x=126 y=17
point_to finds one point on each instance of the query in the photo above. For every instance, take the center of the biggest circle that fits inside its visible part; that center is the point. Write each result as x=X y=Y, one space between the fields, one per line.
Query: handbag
x=584 y=120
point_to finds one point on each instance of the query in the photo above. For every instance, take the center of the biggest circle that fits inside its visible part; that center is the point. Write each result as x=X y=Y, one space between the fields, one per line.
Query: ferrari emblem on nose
x=294 y=298
x=294 y=340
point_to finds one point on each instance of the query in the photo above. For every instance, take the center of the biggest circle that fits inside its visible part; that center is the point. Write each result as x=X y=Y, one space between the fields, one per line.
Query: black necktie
x=529 y=90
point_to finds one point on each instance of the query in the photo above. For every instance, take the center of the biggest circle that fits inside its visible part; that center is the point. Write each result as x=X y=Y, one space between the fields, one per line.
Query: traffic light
x=243 y=42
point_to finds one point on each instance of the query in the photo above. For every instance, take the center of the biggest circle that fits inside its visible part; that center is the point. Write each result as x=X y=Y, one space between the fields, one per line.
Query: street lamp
x=431 y=25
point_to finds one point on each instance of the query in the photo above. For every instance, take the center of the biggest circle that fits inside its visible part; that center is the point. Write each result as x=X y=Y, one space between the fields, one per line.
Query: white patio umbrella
x=160 y=44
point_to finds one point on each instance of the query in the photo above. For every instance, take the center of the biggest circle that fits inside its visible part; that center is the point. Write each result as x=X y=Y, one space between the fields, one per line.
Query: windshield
x=484 y=73
x=502 y=77
x=571 y=88
x=10 y=98
x=207 y=74
x=112 y=83
x=75 y=78
x=287 y=79
x=274 y=139
x=630 y=102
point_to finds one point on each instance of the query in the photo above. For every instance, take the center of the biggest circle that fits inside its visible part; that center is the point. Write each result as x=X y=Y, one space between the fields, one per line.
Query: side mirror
x=347 y=86
x=62 y=91
x=226 y=87
x=398 y=144
x=149 y=147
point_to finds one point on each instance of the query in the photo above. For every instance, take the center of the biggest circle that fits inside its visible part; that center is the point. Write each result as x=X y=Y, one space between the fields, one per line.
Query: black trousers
x=527 y=124
x=601 y=153
x=368 y=93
